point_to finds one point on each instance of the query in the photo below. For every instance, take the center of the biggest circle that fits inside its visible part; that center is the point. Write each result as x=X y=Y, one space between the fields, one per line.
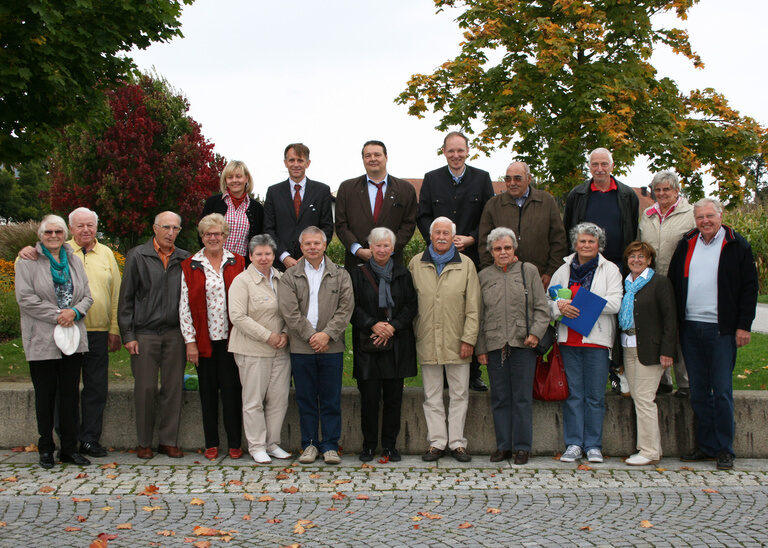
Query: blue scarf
x=384 y=273
x=441 y=260
x=582 y=274
x=627 y=310
x=59 y=270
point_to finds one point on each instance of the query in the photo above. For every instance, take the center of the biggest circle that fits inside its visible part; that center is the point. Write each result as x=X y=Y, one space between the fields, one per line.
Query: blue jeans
x=317 y=379
x=512 y=397
x=710 y=359
x=583 y=412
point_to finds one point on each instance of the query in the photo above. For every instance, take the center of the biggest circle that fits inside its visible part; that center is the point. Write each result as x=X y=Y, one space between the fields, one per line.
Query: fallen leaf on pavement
x=384 y=460
x=150 y=490
x=108 y=465
x=201 y=531
x=415 y=525
x=99 y=543
x=332 y=509
x=151 y=508
x=11 y=478
x=124 y=526
x=288 y=470
x=366 y=465
x=465 y=525
x=585 y=528
x=263 y=498
x=315 y=476
x=686 y=468
x=281 y=476
x=349 y=512
x=298 y=529
x=430 y=515
x=417 y=518
x=275 y=520
x=246 y=517
x=248 y=496
x=197 y=502
x=31 y=448
x=81 y=475
x=18 y=449
x=340 y=481
x=646 y=524
x=107 y=508
x=660 y=469
x=46 y=489
x=708 y=490
x=80 y=499
x=72 y=528
x=583 y=467
x=492 y=511
x=294 y=545
x=557 y=456
x=202 y=544
x=292 y=489
x=81 y=519
x=234 y=482
x=111 y=476
x=363 y=497
x=167 y=533
x=338 y=496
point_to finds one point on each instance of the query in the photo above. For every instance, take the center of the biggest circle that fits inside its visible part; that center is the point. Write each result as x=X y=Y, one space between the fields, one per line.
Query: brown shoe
x=521 y=457
x=144 y=452
x=498 y=455
x=170 y=450
x=432 y=454
x=461 y=454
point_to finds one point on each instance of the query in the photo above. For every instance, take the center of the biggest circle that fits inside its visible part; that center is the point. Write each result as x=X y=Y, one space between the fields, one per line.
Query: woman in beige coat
x=259 y=343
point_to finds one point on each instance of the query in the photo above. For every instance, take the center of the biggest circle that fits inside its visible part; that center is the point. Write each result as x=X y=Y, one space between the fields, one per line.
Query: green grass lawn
x=750 y=373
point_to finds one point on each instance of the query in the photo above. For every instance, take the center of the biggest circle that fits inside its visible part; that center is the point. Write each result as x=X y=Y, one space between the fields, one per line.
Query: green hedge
x=751 y=221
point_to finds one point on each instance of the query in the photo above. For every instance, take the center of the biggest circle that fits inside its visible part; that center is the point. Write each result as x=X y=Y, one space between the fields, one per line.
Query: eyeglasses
x=636 y=256
x=515 y=178
x=498 y=248
x=169 y=228
x=213 y=235
x=58 y=232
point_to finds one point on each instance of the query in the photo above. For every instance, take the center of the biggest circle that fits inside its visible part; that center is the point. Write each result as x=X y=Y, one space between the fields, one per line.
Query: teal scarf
x=59 y=270
x=627 y=310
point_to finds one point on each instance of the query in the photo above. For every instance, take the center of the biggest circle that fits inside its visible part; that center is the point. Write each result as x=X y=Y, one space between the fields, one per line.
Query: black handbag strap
x=525 y=290
x=373 y=283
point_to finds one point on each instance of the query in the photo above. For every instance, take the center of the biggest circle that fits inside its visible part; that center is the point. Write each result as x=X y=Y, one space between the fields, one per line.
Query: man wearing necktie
x=371 y=200
x=295 y=204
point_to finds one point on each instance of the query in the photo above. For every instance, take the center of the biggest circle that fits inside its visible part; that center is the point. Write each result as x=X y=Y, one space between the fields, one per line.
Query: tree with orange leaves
x=574 y=75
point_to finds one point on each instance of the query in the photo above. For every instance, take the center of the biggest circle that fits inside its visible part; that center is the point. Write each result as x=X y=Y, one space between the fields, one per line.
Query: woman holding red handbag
x=514 y=317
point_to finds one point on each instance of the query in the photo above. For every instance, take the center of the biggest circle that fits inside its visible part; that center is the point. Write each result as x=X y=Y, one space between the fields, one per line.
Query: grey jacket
x=38 y=307
x=502 y=320
x=150 y=293
x=335 y=303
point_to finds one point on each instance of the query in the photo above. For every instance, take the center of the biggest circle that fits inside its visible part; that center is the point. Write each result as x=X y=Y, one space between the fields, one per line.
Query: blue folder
x=590 y=306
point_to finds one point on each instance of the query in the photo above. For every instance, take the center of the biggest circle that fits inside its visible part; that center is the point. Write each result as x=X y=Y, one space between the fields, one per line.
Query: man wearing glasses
x=534 y=217
x=148 y=316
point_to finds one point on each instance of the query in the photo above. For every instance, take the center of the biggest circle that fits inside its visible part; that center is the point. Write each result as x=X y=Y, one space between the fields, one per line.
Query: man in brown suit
x=371 y=200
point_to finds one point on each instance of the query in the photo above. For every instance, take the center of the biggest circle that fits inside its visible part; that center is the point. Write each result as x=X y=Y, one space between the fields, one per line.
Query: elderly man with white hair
x=100 y=323
x=446 y=327
x=715 y=282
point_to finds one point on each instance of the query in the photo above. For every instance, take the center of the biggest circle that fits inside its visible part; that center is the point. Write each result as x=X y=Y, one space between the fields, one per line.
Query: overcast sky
x=260 y=75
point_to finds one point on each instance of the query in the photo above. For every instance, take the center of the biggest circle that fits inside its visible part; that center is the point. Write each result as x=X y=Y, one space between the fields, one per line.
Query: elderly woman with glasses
x=259 y=342
x=53 y=297
x=514 y=317
x=585 y=357
x=207 y=276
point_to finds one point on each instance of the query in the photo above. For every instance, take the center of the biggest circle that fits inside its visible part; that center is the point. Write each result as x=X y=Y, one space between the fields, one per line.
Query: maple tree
x=554 y=79
x=57 y=55
x=148 y=156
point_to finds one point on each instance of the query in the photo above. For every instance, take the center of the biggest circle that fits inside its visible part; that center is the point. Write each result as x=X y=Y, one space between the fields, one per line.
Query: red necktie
x=379 y=200
x=297 y=200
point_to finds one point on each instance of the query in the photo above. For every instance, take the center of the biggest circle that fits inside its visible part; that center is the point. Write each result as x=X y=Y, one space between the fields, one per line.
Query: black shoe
x=92 y=448
x=46 y=460
x=74 y=458
x=664 y=389
x=477 y=385
x=461 y=454
x=498 y=455
x=724 y=461
x=683 y=393
x=696 y=455
x=392 y=454
x=521 y=457
x=432 y=454
x=366 y=455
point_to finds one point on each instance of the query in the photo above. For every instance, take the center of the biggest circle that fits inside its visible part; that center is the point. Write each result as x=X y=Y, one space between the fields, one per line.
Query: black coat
x=400 y=362
x=255 y=214
x=655 y=321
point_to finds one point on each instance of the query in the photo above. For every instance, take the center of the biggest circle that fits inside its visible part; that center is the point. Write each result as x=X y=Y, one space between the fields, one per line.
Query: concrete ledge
x=18 y=425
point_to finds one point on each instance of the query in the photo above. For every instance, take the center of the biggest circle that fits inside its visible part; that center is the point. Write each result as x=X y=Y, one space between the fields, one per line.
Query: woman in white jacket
x=586 y=357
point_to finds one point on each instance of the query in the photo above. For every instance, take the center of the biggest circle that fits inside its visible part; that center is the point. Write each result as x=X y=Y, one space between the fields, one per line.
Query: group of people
x=261 y=303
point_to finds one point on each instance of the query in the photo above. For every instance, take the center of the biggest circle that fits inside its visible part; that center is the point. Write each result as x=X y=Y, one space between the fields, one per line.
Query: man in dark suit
x=456 y=191
x=293 y=205
x=371 y=200
x=459 y=192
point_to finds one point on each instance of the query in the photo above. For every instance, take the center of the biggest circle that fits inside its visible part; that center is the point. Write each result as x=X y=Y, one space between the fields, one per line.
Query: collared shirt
x=457 y=178
x=372 y=191
x=521 y=200
x=314 y=278
x=630 y=341
x=655 y=209
x=104 y=281
x=237 y=219
x=302 y=184
x=215 y=301
x=268 y=278
x=701 y=303
x=165 y=257
x=612 y=186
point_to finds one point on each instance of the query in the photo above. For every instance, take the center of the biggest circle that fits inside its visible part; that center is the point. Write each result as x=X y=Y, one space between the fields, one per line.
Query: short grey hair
x=588 y=228
x=158 y=216
x=260 y=240
x=666 y=176
x=525 y=164
x=381 y=233
x=312 y=230
x=705 y=201
x=51 y=220
x=443 y=220
x=82 y=210
x=601 y=149
x=501 y=232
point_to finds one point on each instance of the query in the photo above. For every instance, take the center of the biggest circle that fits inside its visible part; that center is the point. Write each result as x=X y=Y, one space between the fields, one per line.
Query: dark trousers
x=512 y=397
x=317 y=379
x=371 y=392
x=214 y=374
x=93 y=397
x=710 y=359
x=52 y=378
x=474 y=369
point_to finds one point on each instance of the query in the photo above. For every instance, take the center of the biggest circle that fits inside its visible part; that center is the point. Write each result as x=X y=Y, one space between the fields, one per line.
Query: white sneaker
x=572 y=452
x=638 y=460
x=309 y=455
x=331 y=457
x=261 y=457
x=594 y=455
x=278 y=453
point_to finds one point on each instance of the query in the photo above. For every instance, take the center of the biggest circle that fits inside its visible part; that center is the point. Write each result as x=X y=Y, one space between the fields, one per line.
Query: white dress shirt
x=314 y=278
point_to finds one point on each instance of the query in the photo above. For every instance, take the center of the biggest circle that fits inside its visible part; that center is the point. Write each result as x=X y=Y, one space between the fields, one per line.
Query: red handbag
x=550 y=383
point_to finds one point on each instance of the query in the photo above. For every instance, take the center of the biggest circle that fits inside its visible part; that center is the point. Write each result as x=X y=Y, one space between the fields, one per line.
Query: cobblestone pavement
x=408 y=503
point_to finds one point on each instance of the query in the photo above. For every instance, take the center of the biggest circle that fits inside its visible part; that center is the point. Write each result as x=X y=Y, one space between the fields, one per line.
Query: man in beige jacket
x=316 y=302
x=446 y=331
